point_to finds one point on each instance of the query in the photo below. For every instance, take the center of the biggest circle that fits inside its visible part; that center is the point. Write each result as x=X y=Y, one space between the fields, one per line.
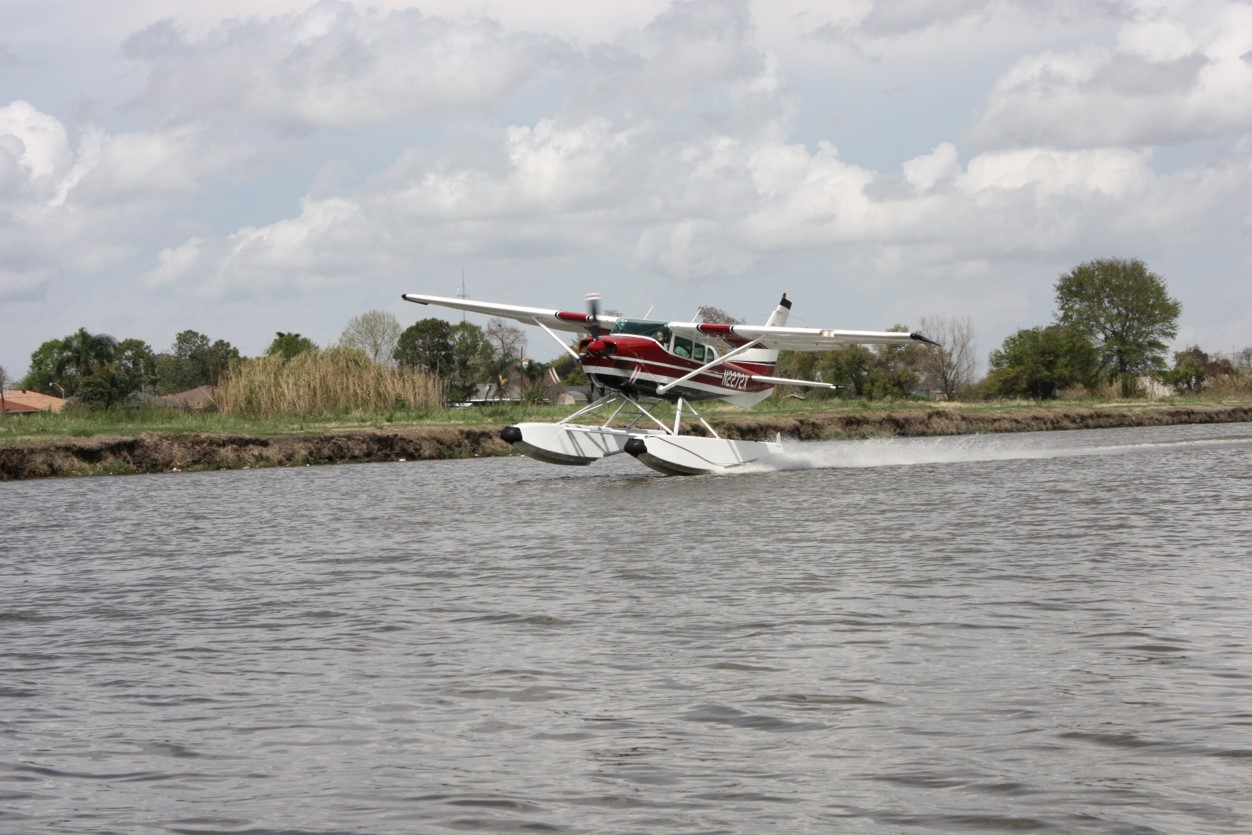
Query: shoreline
x=161 y=452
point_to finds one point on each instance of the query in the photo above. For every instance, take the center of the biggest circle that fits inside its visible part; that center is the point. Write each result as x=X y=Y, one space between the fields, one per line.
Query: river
x=1035 y=631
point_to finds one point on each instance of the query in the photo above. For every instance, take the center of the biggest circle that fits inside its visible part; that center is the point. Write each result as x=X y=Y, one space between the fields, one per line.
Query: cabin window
x=683 y=347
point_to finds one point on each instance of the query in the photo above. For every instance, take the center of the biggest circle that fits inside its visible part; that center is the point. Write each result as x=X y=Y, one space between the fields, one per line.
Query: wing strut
x=560 y=341
x=784 y=381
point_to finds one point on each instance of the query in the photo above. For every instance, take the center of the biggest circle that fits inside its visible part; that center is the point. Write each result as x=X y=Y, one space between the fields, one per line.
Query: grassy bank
x=37 y=446
x=45 y=427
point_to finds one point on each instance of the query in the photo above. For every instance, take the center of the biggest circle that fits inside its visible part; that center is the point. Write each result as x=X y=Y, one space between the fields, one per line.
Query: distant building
x=13 y=407
x=192 y=400
x=1153 y=388
x=487 y=393
x=31 y=401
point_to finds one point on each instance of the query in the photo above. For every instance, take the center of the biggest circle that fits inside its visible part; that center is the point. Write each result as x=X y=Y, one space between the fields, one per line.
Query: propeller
x=593 y=327
x=593 y=315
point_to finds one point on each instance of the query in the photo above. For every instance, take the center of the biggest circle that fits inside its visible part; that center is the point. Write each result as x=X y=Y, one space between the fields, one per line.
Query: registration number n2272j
x=735 y=380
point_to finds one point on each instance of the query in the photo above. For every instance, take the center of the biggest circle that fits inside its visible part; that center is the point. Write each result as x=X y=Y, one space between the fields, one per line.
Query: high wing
x=562 y=320
x=791 y=339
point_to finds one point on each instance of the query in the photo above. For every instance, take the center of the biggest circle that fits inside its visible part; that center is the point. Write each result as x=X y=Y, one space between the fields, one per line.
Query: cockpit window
x=681 y=346
x=641 y=327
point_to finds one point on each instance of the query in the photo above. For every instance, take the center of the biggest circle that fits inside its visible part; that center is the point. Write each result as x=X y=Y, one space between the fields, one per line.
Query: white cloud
x=1164 y=81
x=38 y=163
x=719 y=205
x=335 y=65
x=940 y=164
x=174 y=264
x=697 y=148
x=34 y=147
x=146 y=165
x=1113 y=172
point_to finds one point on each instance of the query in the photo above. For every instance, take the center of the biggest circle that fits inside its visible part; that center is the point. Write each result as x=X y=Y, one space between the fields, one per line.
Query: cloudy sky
x=242 y=167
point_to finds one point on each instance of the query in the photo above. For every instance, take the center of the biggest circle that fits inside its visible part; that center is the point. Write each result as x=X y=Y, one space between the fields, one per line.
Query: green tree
x=194 y=361
x=859 y=372
x=221 y=356
x=1125 y=310
x=41 y=375
x=427 y=346
x=136 y=365
x=104 y=388
x=58 y=366
x=893 y=373
x=569 y=369
x=82 y=355
x=1194 y=368
x=86 y=353
x=290 y=344
x=850 y=368
x=471 y=360
x=1040 y=363
x=183 y=367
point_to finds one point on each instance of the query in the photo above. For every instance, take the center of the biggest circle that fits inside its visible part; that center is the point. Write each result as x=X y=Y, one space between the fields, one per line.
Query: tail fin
x=776 y=319
x=779 y=317
x=763 y=358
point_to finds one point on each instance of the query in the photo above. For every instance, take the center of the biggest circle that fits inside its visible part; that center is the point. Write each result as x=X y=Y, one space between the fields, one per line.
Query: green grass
x=38 y=428
x=23 y=429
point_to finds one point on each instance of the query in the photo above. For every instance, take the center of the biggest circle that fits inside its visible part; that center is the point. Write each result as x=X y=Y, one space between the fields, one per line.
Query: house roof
x=35 y=401
x=196 y=398
x=15 y=408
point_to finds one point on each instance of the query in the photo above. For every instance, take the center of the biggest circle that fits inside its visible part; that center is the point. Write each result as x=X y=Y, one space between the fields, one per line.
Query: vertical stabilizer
x=776 y=319
x=762 y=358
x=779 y=317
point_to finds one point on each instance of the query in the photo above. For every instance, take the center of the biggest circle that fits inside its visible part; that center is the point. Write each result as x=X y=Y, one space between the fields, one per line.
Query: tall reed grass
x=334 y=381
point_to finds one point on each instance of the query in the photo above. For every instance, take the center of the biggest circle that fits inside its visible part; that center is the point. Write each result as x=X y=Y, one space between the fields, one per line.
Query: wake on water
x=903 y=452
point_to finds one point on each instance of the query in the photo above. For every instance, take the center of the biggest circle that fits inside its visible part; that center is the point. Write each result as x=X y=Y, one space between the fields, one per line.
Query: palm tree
x=83 y=354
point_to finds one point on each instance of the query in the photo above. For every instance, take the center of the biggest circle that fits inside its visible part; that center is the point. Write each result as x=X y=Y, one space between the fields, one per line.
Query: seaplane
x=637 y=364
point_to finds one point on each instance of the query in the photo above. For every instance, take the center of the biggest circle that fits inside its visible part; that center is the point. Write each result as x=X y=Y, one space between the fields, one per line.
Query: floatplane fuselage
x=637 y=363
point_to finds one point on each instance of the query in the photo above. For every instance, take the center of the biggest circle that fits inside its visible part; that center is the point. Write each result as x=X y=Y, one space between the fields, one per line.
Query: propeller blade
x=593 y=310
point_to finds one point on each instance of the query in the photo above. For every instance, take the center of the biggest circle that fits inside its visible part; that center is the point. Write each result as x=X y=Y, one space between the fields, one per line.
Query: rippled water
x=997 y=632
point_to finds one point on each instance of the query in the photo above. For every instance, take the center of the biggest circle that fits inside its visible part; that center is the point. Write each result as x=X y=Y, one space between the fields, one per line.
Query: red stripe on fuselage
x=631 y=356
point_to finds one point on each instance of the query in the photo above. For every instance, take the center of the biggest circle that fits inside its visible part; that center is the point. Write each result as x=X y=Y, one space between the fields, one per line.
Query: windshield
x=638 y=327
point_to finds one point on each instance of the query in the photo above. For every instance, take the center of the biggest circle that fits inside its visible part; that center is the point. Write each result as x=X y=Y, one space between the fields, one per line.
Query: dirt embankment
x=157 y=452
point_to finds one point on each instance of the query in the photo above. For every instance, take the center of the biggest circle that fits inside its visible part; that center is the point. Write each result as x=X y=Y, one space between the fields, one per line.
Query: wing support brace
x=747 y=346
x=558 y=339
x=784 y=381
